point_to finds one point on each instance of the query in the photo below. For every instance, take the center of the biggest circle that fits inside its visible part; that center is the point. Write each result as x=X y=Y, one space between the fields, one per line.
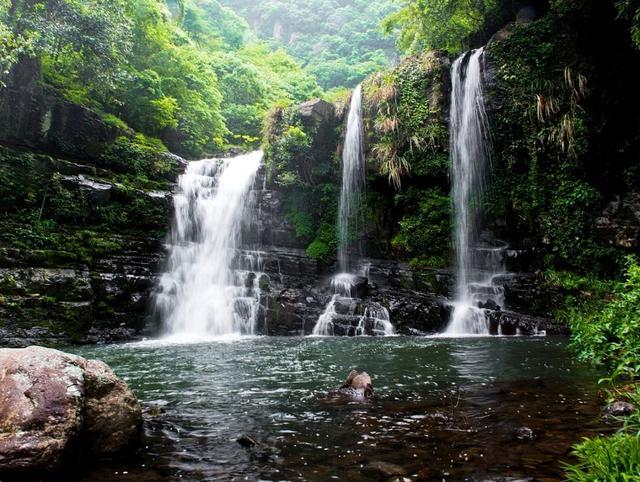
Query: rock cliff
x=84 y=207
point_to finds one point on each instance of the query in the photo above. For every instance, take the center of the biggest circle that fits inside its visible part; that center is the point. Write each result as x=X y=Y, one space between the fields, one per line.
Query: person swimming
x=357 y=385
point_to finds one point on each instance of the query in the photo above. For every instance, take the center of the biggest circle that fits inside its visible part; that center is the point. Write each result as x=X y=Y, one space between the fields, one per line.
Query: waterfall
x=210 y=288
x=353 y=180
x=375 y=319
x=477 y=262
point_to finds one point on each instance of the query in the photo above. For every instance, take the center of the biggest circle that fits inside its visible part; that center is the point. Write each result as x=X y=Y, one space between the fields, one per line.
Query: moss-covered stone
x=564 y=116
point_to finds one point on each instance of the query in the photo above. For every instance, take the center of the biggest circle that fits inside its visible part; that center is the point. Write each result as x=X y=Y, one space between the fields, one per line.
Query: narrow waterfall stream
x=353 y=181
x=478 y=261
x=209 y=288
x=343 y=285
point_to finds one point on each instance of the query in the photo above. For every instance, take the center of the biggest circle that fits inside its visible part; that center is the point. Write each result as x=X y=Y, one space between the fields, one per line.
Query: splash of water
x=477 y=265
x=210 y=288
x=375 y=320
x=342 y=285
x=349 y=219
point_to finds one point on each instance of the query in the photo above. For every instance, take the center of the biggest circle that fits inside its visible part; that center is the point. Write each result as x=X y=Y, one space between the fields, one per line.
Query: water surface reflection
x=445 y=409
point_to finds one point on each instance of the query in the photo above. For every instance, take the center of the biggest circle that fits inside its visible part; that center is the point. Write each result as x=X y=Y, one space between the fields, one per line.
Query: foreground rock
x=53 y=403
x=619 y=409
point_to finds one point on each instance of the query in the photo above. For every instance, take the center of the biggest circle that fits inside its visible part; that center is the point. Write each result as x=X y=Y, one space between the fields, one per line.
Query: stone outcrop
x=53 y=404
x=317 y=111
x=36 y=117
x=48 y=299
x=88 y=275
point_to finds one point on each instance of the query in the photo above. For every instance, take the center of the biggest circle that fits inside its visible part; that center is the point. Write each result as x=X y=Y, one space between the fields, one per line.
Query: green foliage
x=184 y=71
x=324 y=247
x=614 y=458
x=318 y=250
x=12 y=47
x=304 y=224
x=41 y=209
x=606 y=323
x=289 y=153
x=84 y=41
x=630 y=10
x=406 y=111
x=548 y=166
x=299 y=159
x=438 y=24
x=138 y=156
x=607 y=459
x=425 y=228
x=338 y=42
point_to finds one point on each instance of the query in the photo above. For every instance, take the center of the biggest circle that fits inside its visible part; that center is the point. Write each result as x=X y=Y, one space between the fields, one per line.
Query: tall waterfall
x=353 y=180
x=209 y=287
x=477 y=263
x=375 y=319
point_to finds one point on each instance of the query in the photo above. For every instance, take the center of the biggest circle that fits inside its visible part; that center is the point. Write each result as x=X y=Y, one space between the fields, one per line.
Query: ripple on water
x=441 y=406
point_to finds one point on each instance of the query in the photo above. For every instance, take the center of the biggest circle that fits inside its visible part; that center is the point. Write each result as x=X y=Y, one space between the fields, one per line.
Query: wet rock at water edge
x=439 y=417
x=383 y=469
x=247 y=441
x=53 y=404
x=489 y=305
x=525 y=433
x=619 y=409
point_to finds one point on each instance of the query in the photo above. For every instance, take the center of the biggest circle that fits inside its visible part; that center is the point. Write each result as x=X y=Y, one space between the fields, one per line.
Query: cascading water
x=210 y=288
x=375 y=318
x=353 y=180
x=477 y=263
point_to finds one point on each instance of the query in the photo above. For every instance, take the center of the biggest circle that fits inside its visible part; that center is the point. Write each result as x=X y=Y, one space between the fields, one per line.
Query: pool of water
x=444 y=409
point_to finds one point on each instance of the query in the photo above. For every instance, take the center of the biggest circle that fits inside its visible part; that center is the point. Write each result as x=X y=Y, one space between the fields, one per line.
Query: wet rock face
x=619 y=223
x=513 y=323
x=52 y=403
x=60 y=301
x=299 y=289
x=36 y=117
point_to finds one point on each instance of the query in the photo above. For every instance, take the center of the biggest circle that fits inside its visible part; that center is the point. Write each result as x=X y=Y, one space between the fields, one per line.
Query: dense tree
x=339 y=42
x=445 y=24
x=186 y=71
x=630 y=9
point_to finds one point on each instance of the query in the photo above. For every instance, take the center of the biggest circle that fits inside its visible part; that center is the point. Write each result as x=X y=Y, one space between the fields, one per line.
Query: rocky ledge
x=57 y=409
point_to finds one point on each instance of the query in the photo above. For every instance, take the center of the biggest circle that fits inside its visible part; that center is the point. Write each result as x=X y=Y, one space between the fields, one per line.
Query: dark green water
x=445 y=409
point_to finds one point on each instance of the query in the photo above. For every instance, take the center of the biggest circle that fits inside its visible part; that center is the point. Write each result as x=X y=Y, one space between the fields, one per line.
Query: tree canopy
x=186 y=71
x=339 y=42
x=441 y=24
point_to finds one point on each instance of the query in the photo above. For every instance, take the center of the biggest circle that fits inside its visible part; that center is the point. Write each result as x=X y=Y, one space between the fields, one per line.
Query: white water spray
x=343 y=285
x=353 y=181
x=477 y=265
x=210 y=288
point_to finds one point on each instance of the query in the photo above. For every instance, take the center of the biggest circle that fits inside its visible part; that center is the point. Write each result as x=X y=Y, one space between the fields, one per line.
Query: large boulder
x=53 y=403
x=317 y=111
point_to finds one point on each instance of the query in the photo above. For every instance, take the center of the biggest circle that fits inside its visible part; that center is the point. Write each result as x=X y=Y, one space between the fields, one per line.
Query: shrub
x=608 y=459
x=317 y=250
x=607 y=332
